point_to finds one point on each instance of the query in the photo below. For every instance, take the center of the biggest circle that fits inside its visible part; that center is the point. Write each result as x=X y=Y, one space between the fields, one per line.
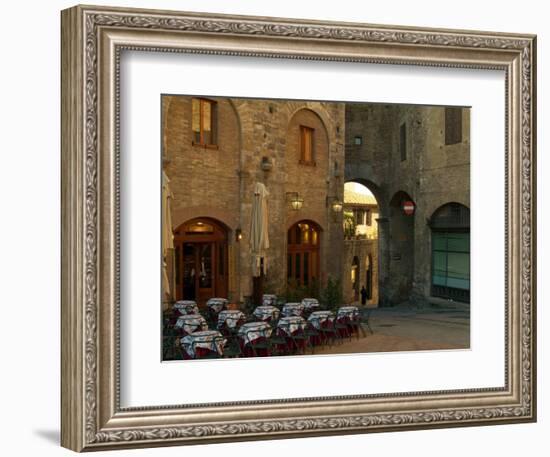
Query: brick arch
x=440 y=202
x=319 y=112
x=239 y=127
x=378 y=192
x=303 y=216
x=227 y=218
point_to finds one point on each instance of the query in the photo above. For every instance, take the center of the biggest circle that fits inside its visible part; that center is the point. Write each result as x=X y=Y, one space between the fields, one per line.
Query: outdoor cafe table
x=292 y=309
x=217 y=304
x=253 y=330
x=269 y=299
x=318 y=318
x=186 y=307
x=199 y=343
x=230 y=318
x=310 y=303
x=291 y=324
x=266 y=312
x=190 y=323
x=350 y=312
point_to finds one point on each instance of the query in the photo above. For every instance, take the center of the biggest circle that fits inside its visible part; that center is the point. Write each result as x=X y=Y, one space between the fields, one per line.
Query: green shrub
x=331 y=296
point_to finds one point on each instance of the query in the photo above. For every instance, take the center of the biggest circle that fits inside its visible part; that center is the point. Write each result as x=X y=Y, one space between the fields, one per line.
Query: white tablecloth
x=291 y=324
x=217 y=304
x=310 y=303
x=269 y=299
x=253 y=330
x=208 y=339
x=292 y=309
x=318 y=318
x=230 y=318
x=191 y=323
x=186 y=307
x=266 y=312
x=351 y=312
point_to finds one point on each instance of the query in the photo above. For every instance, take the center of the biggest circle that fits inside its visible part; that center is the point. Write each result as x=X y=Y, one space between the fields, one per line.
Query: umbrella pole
x=258 y=286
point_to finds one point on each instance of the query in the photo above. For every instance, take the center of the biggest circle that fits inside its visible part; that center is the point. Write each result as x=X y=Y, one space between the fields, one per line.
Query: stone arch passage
x=362 y=240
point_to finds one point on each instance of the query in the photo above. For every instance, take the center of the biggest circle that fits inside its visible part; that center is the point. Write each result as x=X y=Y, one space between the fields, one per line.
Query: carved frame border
x=92 y=40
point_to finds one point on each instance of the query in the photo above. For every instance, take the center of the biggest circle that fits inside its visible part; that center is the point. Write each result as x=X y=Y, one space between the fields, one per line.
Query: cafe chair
x=279 y=343
x=260 y=347
x=313 y=335
x=232 y=348
x=329 y=332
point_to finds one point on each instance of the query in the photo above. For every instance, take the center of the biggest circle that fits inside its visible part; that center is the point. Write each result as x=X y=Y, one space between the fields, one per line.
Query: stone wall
x=366 y=251
x=432 y=174
x=218 y=182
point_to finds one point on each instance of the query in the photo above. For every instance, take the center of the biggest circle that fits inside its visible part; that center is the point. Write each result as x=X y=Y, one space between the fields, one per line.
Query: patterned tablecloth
x=318 y=318
x=266 y=312
x=292 y=309
x=310 y=303
x=186 y=307
x=269 y=299
x=208 y=339
x=289 y=325
x=351 y=312
x=191 y=323
x=253 y=330
x=230 y=318
x=217 y=304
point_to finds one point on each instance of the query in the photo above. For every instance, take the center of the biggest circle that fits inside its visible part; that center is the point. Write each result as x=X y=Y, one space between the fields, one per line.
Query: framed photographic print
x=276 y=228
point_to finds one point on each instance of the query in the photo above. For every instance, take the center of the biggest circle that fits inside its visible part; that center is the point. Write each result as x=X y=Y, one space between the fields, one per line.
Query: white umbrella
x=259 y=238
x=167 y=234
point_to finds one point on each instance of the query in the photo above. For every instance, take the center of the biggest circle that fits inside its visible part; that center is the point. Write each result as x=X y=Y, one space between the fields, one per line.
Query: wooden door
x=201 y=261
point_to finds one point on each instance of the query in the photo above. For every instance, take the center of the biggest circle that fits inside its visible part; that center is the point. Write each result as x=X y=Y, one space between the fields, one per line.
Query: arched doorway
x=450 y=225
x=201 y=260
x=361 y=240
x=303 y=242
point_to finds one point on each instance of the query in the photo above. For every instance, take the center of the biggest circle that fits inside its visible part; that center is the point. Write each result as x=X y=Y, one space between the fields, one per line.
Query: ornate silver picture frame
x=93 y=40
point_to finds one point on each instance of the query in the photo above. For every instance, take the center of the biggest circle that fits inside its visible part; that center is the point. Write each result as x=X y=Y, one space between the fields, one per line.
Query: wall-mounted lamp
x=238 y=235
x=335 y=204
x=296 y=202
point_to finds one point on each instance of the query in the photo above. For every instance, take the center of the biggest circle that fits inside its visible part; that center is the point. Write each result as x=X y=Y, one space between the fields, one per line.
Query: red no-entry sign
x=408 y=207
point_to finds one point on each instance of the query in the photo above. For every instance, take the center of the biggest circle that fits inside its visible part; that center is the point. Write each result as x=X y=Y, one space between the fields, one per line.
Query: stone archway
x=201 y=260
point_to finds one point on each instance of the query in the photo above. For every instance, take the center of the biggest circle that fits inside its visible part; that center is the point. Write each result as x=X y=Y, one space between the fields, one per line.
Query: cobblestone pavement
x=406 y=328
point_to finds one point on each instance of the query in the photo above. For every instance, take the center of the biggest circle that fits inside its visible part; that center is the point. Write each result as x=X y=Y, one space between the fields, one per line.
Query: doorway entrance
x=201 y=260
x=303 y=253
x=450 y=226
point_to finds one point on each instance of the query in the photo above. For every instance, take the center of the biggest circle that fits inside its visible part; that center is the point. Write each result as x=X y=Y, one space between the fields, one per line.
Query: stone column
x=383 y=260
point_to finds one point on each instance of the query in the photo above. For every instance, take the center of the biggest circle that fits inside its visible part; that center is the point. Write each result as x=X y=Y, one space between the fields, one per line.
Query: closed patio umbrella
x=259 y=238
x=167 y=234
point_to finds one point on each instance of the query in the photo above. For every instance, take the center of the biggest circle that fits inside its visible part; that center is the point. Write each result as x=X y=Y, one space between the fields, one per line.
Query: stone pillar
x=383 y=260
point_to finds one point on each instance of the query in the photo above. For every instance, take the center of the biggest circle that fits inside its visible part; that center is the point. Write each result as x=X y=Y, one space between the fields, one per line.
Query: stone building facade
x=422 y=155
x=212 y=176
x=216 y=149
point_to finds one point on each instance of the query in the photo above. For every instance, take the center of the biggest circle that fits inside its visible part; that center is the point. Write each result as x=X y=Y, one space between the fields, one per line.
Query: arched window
x=303 y=253
x=450 y=226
